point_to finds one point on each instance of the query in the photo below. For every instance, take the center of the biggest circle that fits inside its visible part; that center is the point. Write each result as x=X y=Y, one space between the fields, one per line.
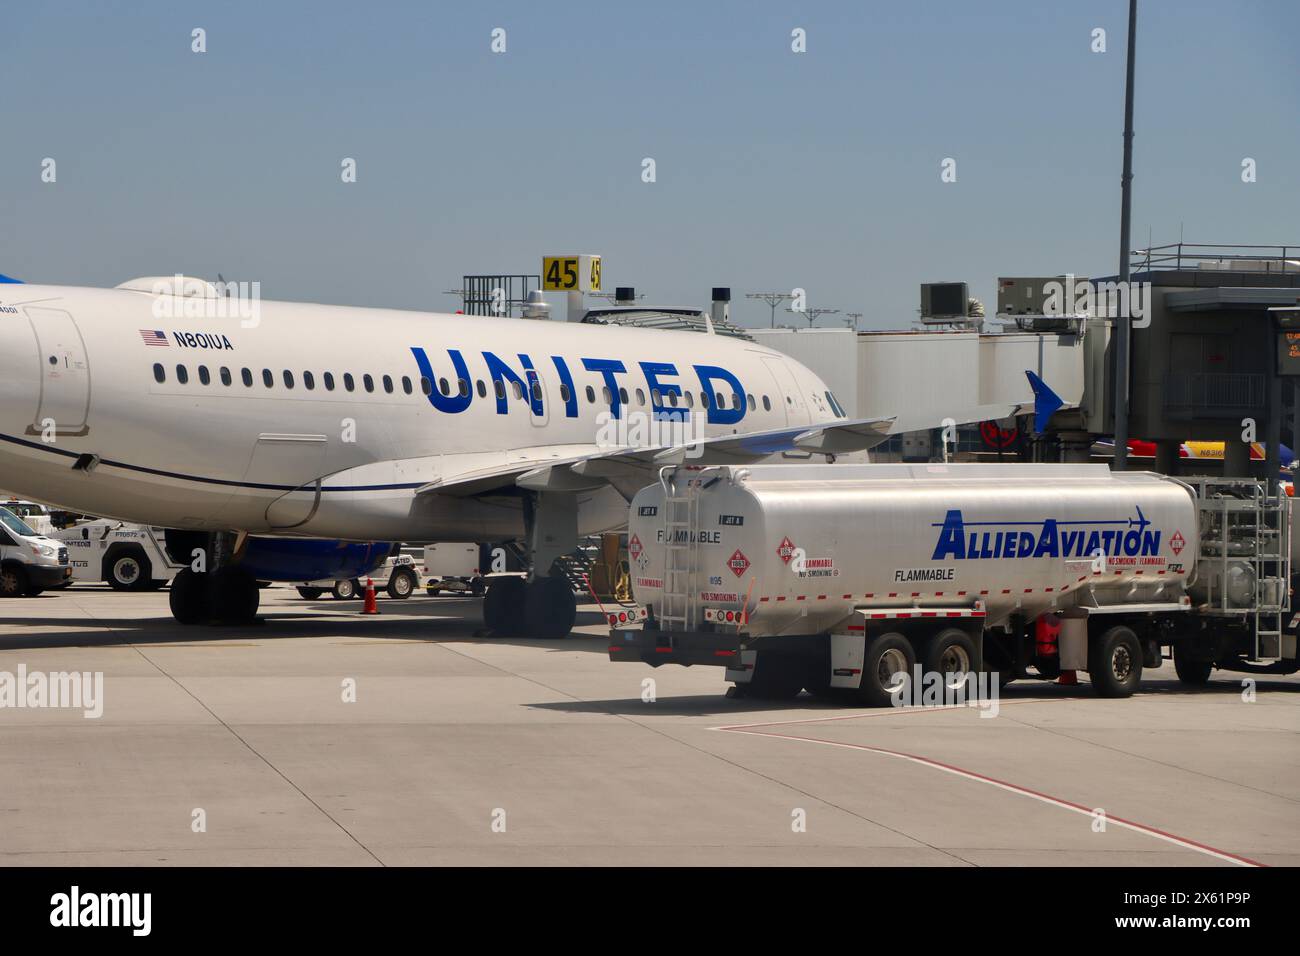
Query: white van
x=398 y=575
x=29 y=562
x=128 y=557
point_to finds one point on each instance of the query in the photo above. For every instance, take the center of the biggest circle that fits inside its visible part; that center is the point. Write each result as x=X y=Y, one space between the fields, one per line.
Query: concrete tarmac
x=322 y=737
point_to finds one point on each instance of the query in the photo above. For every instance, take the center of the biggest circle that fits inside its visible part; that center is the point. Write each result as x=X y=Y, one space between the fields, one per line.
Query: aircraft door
x=64 y=373
x=787 y=392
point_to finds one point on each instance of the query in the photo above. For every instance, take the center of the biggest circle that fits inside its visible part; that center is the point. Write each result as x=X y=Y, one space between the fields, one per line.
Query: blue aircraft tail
x=1046 y=402
x=5 y=278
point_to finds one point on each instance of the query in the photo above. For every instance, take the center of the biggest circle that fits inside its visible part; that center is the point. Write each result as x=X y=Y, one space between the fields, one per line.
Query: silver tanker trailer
x=838 y=578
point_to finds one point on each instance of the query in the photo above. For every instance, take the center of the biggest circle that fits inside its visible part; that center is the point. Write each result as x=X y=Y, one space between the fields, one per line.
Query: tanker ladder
x=681 y=546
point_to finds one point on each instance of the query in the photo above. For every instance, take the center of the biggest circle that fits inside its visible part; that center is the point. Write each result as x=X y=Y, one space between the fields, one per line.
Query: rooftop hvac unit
x=943 y=302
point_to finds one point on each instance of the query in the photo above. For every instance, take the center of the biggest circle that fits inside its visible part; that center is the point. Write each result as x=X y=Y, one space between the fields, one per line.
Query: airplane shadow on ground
x=433 y=621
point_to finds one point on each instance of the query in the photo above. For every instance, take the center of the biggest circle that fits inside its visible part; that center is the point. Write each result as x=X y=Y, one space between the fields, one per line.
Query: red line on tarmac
x=749 y=729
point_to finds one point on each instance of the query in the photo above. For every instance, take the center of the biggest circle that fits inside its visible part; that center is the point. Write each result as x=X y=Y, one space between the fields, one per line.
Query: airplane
x=301 y=444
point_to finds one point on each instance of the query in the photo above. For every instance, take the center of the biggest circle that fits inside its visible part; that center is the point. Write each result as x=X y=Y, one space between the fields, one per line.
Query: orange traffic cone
x=1068 y=679
x=371 y=607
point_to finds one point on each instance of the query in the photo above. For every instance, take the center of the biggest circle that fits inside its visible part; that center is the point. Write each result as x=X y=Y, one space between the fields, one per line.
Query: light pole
x=813 y=314
x=1123 y=321
x=773 y=299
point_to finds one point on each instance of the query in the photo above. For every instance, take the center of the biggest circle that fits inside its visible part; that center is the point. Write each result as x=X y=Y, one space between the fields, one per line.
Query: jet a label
x=202 y=340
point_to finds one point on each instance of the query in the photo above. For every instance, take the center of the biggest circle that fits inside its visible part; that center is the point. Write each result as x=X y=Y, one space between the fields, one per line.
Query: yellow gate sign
x=571 y=273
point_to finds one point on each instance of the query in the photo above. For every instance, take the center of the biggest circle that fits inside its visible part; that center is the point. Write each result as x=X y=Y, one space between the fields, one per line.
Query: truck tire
x=311 y=594
x=127 y=569
x=951 y=651
x=402 y=584
x=346 y=590
x=1193 y=673
x=886 y=655
x=1115 y=662
x=13 y=581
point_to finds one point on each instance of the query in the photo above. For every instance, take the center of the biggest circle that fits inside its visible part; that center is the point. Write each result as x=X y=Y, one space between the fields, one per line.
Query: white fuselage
x=91 y=372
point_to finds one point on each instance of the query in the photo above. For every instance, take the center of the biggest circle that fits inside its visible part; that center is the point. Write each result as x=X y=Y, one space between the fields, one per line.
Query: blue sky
x=774 y=169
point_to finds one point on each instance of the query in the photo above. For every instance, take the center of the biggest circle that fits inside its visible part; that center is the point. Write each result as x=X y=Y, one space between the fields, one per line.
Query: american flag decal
x=153 y=337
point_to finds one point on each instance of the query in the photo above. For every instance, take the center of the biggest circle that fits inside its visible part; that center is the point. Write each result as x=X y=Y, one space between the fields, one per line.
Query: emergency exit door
x=64 y=373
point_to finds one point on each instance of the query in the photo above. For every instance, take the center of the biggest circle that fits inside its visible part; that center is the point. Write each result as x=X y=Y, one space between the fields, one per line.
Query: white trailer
x=128 y=557
x=836 y=578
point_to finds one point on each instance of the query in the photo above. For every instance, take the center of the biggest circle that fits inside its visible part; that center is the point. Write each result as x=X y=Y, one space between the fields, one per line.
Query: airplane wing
x=578 y=468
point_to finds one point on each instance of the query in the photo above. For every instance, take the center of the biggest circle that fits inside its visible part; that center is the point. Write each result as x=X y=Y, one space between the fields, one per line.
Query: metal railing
x=1189 y=255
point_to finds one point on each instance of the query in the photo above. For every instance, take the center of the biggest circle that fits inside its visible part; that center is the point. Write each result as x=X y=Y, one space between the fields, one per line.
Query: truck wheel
x=1191 y=672
x=344 y=590
x=951 y=651
x=1115 y=662
x=127 y=569
x=13 y=581
x=402 y=584
x=776 y=677
x=886 y=656
x=311 y=594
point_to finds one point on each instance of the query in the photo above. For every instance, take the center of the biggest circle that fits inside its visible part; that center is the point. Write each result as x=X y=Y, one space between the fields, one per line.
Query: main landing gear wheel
x=229 y=596
x=235 y=596
x=188 y=597
x=550 y=608
x=503 y=608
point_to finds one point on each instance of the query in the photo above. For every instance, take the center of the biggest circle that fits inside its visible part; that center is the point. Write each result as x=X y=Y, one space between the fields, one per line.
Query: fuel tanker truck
x=838 y=579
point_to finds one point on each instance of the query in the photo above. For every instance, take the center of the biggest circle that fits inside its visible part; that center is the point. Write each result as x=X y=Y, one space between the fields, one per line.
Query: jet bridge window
x=159 y=373
x=182 y=374
x=204 y=377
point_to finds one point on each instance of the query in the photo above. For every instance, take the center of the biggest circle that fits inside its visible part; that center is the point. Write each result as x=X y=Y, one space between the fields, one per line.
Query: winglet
x=1046 y=402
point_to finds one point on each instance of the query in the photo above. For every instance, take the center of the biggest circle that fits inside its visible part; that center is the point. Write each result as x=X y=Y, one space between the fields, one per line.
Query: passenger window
x=519 y=392
x=204 y=377
x=690 y=399
x=463 y=389
x=604 y=393
x=329 y=381
x=622 y=395
x=349 y=382
x=368 y=382
x=735 y=400
x=767 y=404
x=225 y=376
x=406 y=384
x=655 y=397
x=388 y=384
x=591 y=395
x=247 y=376
x=159 y=373
x=267 y=378
x=182 y=374
x=640 y=397
x=308 y=381
x=752 y=404
x=443 y=386
x=288 y=379
x=704 y=399
x=499 y=387
x=672 y=399
x=482 y=389
x=564 y=393
x=426 y=386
